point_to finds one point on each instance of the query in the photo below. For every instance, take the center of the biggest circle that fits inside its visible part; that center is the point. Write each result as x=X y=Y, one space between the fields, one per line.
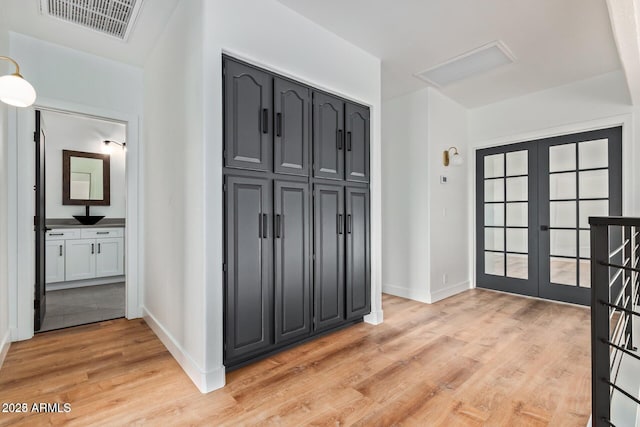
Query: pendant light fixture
x=14 y=89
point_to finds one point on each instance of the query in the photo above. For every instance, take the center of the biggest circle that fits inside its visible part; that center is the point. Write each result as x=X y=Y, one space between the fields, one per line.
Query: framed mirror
x=85 y=178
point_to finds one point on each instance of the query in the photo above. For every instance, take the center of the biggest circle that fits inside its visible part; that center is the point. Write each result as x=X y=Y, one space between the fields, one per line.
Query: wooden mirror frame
x=66 y=178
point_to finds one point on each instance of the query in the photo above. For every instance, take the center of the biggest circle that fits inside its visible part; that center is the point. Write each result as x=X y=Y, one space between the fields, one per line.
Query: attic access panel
x=111 y=17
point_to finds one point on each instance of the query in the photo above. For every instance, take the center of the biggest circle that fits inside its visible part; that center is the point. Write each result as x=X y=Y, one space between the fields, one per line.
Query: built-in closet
x=296 y=212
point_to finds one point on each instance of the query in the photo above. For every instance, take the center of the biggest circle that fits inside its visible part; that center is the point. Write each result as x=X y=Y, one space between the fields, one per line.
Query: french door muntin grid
x=577 y=225
x=516 y=198
x=494 y=219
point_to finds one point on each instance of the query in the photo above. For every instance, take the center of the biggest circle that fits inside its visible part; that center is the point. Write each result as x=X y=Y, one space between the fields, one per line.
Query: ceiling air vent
x=474 y=62
x=112 y=17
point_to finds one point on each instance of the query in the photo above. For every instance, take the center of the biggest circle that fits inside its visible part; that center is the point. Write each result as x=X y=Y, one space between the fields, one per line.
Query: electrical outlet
x=443 y=179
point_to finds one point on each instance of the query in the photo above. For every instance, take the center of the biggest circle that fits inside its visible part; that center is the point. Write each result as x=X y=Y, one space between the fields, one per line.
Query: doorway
x=533 y=202
x=80 y=192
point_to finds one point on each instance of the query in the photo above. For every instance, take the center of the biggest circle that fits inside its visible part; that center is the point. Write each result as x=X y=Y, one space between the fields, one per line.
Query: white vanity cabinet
x=87 y=253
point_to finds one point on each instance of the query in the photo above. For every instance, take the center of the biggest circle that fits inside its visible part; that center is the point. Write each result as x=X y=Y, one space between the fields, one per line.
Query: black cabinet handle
x=56 y=234
x=278 y=226
x=60 y=250
x=265 y=119
x=349 y=224
x=348 y=141
x=339 y=139
x=340 y=224
x=544 y=228
x=98 y=247
x=265 y=224
x=279 y=124
x=92 y=249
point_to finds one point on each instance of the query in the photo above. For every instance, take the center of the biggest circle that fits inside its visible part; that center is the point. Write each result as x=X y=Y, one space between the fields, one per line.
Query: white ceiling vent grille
x=112 y=17
x=477 y=61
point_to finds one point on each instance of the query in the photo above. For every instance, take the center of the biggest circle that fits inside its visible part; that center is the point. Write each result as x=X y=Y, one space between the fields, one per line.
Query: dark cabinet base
x=232 y=365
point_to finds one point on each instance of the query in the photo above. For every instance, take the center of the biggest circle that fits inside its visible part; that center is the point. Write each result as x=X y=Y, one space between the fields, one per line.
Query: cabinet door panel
x=358 y=281
x=248 y=284
x=54 y=260
x=357 y=144
x=80 y=259
x=291 y=260
x=329 y=255
x=109 y=257
x=328 y=136
x=291 y=127
x=247 y=117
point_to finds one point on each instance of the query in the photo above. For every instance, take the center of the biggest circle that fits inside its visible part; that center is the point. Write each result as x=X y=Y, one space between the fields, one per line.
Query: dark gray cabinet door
x=329 y=231
x=357 y=143
x=291 y=260
x=248 y=284
x=358 y=282
x=328 y=136
x=291 y=128
x=247 y=117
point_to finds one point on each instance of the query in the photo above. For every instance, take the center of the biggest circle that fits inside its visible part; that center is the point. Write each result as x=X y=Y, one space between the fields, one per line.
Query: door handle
x=349 y=141
x=92 y=249
x=60 y=250
x=265 y=118
x=349 y=224
x=339 y=139
x=265 y=224
x=278 y=226
x=98 y=247
x=340 y=224
x=278 y=124
x=544 y=228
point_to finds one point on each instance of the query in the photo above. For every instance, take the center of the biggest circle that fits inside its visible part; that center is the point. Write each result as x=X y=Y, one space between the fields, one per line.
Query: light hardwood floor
x=478 y=358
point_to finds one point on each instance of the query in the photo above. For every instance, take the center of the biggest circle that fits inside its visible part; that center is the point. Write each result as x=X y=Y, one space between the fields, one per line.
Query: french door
x=533 y=203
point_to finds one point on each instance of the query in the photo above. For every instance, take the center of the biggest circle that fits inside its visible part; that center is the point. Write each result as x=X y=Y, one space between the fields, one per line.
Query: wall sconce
x=454 y=158
x=108 y=142
x=14 y=89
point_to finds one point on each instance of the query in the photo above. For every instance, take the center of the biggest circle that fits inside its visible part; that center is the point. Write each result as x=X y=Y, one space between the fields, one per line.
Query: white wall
x=5 y=68
x=448 y=219
x=68 y=80
x=78 y=133
x=425 y=235
x=598 y=102
x=405 y=194
x=174 y=298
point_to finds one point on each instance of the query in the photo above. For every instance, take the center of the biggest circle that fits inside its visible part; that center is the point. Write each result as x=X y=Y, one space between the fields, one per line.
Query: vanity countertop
x=72 y=223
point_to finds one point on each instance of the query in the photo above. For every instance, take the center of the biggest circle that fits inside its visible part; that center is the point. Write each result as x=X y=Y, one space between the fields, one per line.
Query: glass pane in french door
x=506 y=199
x=580 y=177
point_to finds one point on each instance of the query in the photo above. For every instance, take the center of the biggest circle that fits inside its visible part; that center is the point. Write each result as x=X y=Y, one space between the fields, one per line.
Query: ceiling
x=554 y=41
x=23 y=16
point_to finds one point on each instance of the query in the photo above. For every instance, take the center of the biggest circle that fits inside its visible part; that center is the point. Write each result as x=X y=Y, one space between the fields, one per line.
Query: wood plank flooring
x=478 y=358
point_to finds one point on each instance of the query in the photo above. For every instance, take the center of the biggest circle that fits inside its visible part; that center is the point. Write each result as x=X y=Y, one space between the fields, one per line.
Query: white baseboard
x=5 y=343
x=205 y=381
x=449 y=291
x=399 y=291
x=374 y=318
x=82 y=283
